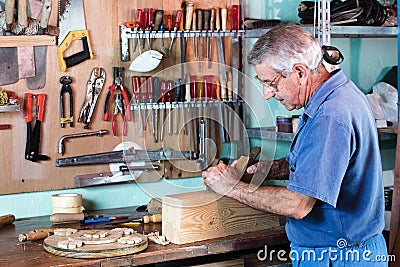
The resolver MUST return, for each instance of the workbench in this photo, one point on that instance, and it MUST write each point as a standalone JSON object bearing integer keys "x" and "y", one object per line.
{"x": 31, "y": 253}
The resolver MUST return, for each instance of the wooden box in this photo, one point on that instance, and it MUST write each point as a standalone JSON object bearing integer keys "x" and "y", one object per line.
{"x": 202, "y": 215}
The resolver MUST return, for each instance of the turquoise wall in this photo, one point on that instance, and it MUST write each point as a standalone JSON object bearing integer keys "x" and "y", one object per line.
{"x": 364, "y": 61}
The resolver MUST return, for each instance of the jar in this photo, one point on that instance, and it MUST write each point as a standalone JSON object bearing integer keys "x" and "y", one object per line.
{"x": 284, "y": 124}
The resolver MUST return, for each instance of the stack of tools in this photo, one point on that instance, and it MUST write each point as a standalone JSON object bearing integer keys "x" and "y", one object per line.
{"x": 33, "y": 136}
{"x": 66, "y": 208}
{"x": 200, "y": 24}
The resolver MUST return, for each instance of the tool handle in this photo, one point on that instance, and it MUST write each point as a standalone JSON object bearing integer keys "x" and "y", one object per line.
{"x": 193, "y": 80}
{"x": 212, "y": 19}
{"x": 222, "y": 88}
{"x": 217, "y": 90}
{"x": 155, "y": 218}
{"x": 188, "y": 96}
{"x": 178, "y": 19}
{"x": 28, "y": 107}
{"x": 7, "y": 219}
{"x": 229, "y": 85}
{"x": 22, "y": 13}
{"x": 235, "y": 17}
{"x": 169, "y": 94}
{"x": 5, "y": 126}
{"x": 66, "y": 217}
{"x": 79, "y": 57}
{"x": 149, "y": 88}
{"x": 40, "y": 103}
{"x": 150, "y": 16}
{"x": 44, "y": 19}
{"x": 199, "y": 15}
{"x": 224, "y": 14}
{"x": 139, "y": 17}
{"x": 158, "y": 19}
{"x": 107, "y": 106}
{"x": 177, "y": 91}
{"x": 10, "y": 6}
{"x": 135, "y": 87}
{"x": 169, "y": 23}
{"x": 156, "y": 88}
{"x": 35, "y": 235}
{"x": 189, "y": 15}
{"x": 127, "y": 101}
{"x": 194, "y": 21}
{"x": 217, "y": 18}
{"x": 144, "y": 20}
{"x": 163, "y": 90}
{"x": 199, "y": 89}
{"x": 206, "y": 16}
{"x": 143, "y": 88}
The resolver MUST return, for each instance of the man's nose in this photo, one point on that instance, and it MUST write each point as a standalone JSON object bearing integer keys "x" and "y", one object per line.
{"x": 268, "y": 94}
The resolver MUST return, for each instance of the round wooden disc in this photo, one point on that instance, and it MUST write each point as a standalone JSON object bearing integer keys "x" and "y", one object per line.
{"x": 91, "y": 251}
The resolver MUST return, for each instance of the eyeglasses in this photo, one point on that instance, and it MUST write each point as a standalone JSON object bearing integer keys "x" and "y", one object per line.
{"x": 272, "y": 85}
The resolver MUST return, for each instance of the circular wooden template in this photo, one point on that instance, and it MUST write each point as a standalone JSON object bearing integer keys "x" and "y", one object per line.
{"x": 89, "y": 251}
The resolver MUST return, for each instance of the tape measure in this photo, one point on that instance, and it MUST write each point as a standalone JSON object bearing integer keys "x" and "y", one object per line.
{"x": 67, "y": 203}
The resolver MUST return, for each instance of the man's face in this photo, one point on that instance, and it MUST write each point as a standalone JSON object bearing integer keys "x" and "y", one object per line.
{"x": 284, "y": 89}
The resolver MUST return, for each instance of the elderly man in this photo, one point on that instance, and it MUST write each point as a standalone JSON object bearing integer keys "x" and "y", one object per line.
{"x": 334, "y": 202}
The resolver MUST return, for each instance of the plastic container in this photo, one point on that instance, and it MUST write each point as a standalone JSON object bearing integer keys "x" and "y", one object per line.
{"x": 284, "y": 124}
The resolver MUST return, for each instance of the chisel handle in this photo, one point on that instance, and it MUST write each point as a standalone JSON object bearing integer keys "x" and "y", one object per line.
{"x": 224, "y": 14}
{"x": 66, "y": 217}
{"x": 44, "y": 20}
{"x": 158, "y": 21}
{"x": 10, "y": 6}
{"x": 206, "y": 21}
{"x": 22, "y": 13}
{"x": 217, "y": 18}
{"x": 155, "y": 218}
{"x": 189, "y": 15}
{"x": 235, "y": 17}
{"x": 7, "y": 219}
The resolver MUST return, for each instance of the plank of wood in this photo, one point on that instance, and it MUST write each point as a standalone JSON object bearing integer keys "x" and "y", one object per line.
{"x": 202, "y": 215}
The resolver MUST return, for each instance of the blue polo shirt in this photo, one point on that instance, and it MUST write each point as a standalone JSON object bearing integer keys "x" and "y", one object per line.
{"x": 335, "y": 158}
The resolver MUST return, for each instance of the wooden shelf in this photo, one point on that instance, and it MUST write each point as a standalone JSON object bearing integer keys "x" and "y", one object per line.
{"x": 27, "y": 40}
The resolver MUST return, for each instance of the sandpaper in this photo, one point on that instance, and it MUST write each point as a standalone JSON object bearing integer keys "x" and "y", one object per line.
{"x": 8, "y": 65}
{"x": 39, "y": 80}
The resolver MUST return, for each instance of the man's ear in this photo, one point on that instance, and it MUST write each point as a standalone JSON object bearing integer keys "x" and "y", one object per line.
{"x": 301, "y": 70}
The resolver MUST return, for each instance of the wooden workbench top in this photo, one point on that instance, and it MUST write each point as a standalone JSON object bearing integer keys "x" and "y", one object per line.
{"x": 31, "y": 253}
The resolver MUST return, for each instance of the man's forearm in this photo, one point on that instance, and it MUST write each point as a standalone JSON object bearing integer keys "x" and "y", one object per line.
{"x": 279, "y": 200}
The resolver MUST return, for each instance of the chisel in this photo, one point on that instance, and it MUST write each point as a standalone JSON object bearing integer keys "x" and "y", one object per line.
{"x": 212, "y": 27}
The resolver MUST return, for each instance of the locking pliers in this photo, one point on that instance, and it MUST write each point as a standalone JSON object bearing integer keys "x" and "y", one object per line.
{"x": 93, "y": 89}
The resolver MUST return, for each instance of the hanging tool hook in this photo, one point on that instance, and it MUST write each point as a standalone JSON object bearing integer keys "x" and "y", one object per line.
{"x": 66, "y": 88}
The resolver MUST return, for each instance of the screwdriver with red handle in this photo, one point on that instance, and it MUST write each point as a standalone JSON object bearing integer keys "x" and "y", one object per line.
{"x": 178, "y": 18}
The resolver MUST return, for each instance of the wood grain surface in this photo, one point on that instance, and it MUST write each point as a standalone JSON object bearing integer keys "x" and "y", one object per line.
{"x": 93, "y": 251}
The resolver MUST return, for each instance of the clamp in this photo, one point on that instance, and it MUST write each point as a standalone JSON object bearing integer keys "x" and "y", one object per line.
{"x": 117, "y": 85}
{"x": 66, "y": 88}
{"x": 33, "y": 136}
{"x": 119, "y": 108}
{"x": 93, "y": 89}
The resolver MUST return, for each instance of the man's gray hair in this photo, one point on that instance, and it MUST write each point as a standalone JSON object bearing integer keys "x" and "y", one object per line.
{"x": 284, "y": 46}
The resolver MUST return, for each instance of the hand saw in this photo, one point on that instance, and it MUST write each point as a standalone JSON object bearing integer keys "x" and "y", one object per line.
{"x": 71, "y": 20}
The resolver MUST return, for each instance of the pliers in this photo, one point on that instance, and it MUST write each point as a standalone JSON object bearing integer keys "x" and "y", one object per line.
{"x": 93, "y": 89}
{"x": 119, "y": 108}
{"x": 117, "y": 85}
{"x": 33, "y": 137}
{"x": 66, "y": 88}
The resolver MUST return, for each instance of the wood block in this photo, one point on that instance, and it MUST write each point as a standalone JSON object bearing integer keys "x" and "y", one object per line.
{"x": 202, "y": 215}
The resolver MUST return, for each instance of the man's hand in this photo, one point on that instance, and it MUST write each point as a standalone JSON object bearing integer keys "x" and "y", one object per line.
{"x": 221, "y": 178}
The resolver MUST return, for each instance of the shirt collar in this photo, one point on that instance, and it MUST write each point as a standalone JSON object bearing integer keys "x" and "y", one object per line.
{"x": 337, "y": 79}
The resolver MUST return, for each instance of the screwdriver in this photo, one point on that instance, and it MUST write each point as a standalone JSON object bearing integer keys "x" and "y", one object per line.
{"x": 168, "y": 98}
{"x": 176, "y": 26}
{"x": 163, "y": 90}
{"x": 143, "y": 93}
{"x": 136, "y": 92}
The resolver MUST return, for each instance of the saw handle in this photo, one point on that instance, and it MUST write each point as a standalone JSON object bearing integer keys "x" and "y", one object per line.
{"x": 78, "y": 57}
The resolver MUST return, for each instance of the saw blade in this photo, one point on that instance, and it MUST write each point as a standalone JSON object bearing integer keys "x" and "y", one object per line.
{"x": 71, "y": 17}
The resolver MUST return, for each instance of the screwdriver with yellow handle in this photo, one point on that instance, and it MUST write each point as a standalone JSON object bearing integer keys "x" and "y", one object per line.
{"x": 154, "y": 218}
